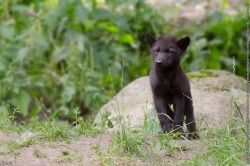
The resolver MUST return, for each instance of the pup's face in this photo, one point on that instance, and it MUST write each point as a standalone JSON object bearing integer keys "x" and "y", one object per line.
{"x": 167, "y": 50}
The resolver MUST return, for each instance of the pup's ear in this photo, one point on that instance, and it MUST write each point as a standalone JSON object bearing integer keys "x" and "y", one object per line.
{"x": 183, "y": 43}
{"x": 150, "y": 39}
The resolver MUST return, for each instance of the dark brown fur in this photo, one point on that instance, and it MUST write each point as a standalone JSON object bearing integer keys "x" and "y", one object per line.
{"x": 170, "y": 85}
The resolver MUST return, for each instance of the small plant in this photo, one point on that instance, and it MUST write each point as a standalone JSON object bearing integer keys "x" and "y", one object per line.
{"x": 67, "y": 156}
{"x": 103, "y": 156}
{"x": 65, "y": 152}
{"x": 64, "y": 157}
{"x": 39, "y": 154}
{"x": 53, "y": 130}
{"x": 129, "y": 144}
{"x": 85, "y": 127}
{"x": 151, "y": 123}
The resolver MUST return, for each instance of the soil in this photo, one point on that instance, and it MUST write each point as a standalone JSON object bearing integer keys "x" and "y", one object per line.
{"x": 82, "y": 152}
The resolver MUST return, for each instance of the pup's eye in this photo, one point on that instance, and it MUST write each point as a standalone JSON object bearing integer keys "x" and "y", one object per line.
{"x": 170, "y": 51}
{"x": 158, "y": 50}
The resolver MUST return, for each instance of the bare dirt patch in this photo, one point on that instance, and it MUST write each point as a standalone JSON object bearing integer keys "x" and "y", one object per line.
{"x": 78, "y": 152}
{"x": 82, "y": 152}
{"x": 7, "y": 137}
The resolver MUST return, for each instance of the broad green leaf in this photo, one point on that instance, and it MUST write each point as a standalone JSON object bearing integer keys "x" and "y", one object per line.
{"x": 4, "y": 114}
{"x": 2, "y": 74}
{"x": 35, "y": 111}
{"x": 227, "y": 61}
{"x": 68, "y": 93}
{"x": 91, "y": 88}
{"x": 3, "y": 63}
{"x": 80, "y": 43}
{"x": 40, "y": 42}
{"x": 81, "y": 14}
{"x": 221, "y": 28}
{"x": 214, "y": 59}
{"x": 94, "y": 74}
{"x": 62, "y": 25}
{"x": 202, "y": 43}
{"x": 215, "y": 42}
{"x": 238, "y": 25}
{"x": 109, "y": 27}
{"x": 51, "y": 4}
{"x": 21, "y": 101}
{"x": 56, "y": 114}
{"x": 19, "y": 8}
{"x": 100, "y": 14}
{"x": 22, "y": 53}
{"x": 123, "y": 24}
{"x": 8, "y": 32}
{"x": 126, "y": 38}
{"x": 59, "y": 54}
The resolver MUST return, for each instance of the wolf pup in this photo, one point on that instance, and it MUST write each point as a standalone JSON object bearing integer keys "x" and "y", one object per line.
{"x": 170, "y": 85}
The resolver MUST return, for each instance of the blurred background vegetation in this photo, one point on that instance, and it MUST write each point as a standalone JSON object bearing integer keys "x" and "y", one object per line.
{"x": 67, "y": 56}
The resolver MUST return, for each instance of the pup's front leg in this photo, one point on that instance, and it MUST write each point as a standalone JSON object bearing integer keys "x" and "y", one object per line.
{"x": 179, "y": 105}
{"x": 190, "y": 121}
{"x": 162, "y": 108}
{"x": 189, "y": 112}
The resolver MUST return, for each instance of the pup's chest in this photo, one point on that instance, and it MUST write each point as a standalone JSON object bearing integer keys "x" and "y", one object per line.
{"x": 166, "y": 87}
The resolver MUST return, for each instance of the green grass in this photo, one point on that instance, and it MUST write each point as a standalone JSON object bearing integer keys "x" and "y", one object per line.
{"x": 223, "y": 145}
{"x": 50, "y": 130}
{"x": 38, "y": 153}
{"x": 67, "y": 156}
{"x": 143, "y": 144}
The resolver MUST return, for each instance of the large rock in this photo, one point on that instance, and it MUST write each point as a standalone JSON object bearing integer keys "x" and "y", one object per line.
{"x": 214, "y": 93}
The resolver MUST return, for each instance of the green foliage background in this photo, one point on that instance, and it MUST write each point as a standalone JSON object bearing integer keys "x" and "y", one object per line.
{"x": 63, "y": 54}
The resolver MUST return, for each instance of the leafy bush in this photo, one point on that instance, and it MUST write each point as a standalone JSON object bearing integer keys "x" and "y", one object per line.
{"x": 60, "y": 54}
{"x": 214, "y": 44}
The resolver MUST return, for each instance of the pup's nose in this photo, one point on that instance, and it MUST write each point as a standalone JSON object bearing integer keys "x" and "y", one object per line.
{"x": 158, "y": 62}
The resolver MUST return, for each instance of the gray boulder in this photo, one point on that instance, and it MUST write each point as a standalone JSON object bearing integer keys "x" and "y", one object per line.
{"x": 214, "y": 94}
